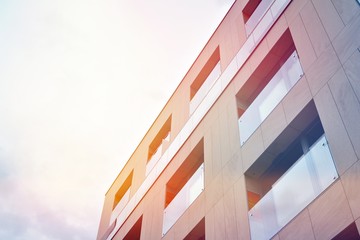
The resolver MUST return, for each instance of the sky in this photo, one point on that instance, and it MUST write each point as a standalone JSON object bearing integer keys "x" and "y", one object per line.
{"x": 81, "y": 81}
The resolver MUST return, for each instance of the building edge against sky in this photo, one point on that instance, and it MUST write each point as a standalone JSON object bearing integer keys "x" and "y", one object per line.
{"x": 261, "y": 139}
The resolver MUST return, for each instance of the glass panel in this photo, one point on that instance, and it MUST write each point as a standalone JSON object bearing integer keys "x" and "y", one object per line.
{"x": 300, "y": 185}
{"x": 257, "y": 15}
{"x": 205, "y": 87}
{"x": 281, "y": 83}
{"x": 120, "y": 206}
{"x": 183, "y": 199}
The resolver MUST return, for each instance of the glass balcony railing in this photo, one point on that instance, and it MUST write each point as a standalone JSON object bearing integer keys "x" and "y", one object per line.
{"x": 157, "y": 155}
{"x": 257, "y": 15}
{"x": 205, "y": 87}
{"x": 184, "y": 199}
{"x": 120, "y": 206}
{"x": 153, "y": 160}
{"x": 280, "y": 84}
{"x": 302, "y": 183}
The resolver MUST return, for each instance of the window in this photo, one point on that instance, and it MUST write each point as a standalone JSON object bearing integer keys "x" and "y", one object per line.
{"x": 205, "y": 79}
{"x": 122, "y": 197}
{"x": 350, "y": 232}
{"x": 158, "y": 145}
{"x": 266, "y": 87}
{"x": 253, "y": 12}
{"x": 135, "y": 231}
{"x": 291, "y": 173}
{"x": 198, "y": 232}
{"x": 184, "y": 186}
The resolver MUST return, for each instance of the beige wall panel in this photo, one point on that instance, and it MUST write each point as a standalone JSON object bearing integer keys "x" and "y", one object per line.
{"x": 276, "y": 237}
{"x": 213, "y": 192}
{"x": 322, "y": 70}
{"x": 252, "y": 149}
{"x": 233, "y": 126}
{"x": 330, "y": 212}
{"x": 329, "y": 17}
{"x": 242, "y": 76}
{"x": 237, "y": 27}
{"x": 293, "y": 10}
{"x": 180, "y": 112}
{"x": 296, "y": 99}
{"x": 232, "y": 171}
{"x": 220, "y": 230}
{"x": 302, "y": 43}
{"x": 216, "y": 148}
{"x": 351, "y": 181}
{"x": 276, "y": 31}
{"x": 226, "y": 46}
{"x": 241, "y": 209}
{"x": 196, "y": 135}
{"x": 157, "y": 204}
{"x": 352, "y": 70}
{"x": 146, "y": 224}
{"x": 196, "y": 211}
{"x": 348, "y": 40}
{"x": 346, "y": 9}
{"x": 181, "y": 226}
{"x": 208, "y": 158}
{"x": 273, "y": 125}
{"x": 226, "y": 152}
{"x": 210, "y": 225}
{"x": 343, "y": 154}
{"x": 348, "y": 106}
{"x": 230, "y": 215}
{"x": 258, "y": 55}
{"x": 299, "y": 228}
{"x": 314, "y": 28}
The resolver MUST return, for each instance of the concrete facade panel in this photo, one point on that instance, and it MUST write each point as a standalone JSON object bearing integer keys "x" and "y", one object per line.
{"x": 322, "y": 70}
{"x": 348, "y": 106}
{"x": 327, "y": 224}
{"x": 241, "y": 209}
{"x": 296, "y": 99}
{"x": 343, "y": 154}
{"x": 329, "y": 17}
{"x": 347, "y": 10}
{"x": 273, "y": 125}
{"x": 299, "y": 228}
{"x": 302, "y": 43}
{"x": 230, "y": 215}
{"x": 352, "y": 70}
{"x": 350, "y": 181}
{"x": 314, "y": 28}
{"x": 293, "y": 10}
{"x": 348, "y": 40}
{"x": 252, "y": 149}
{"x": 220, "y": 230}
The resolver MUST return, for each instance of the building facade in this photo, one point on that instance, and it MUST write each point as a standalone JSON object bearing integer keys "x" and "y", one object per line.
{"x": 261, "y": 139}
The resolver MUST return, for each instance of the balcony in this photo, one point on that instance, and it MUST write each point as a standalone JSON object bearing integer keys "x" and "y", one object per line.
{"x": 157, "y": 155}
{"x": 183, "y": 199}
{"x": 257, "y": 15}
{"x": 279, "y": 85}
{"x": 205, "y": 87}
{"x": 310, "y": 175}
{"x": 120, "y": 205}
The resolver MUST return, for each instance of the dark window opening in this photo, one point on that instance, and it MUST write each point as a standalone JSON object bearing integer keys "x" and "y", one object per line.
{"x": 198, "y": 232}
{"x": 135, "y": 231}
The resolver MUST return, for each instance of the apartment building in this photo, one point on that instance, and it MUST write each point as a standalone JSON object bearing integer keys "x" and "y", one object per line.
{"x": 260, "y": 140}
